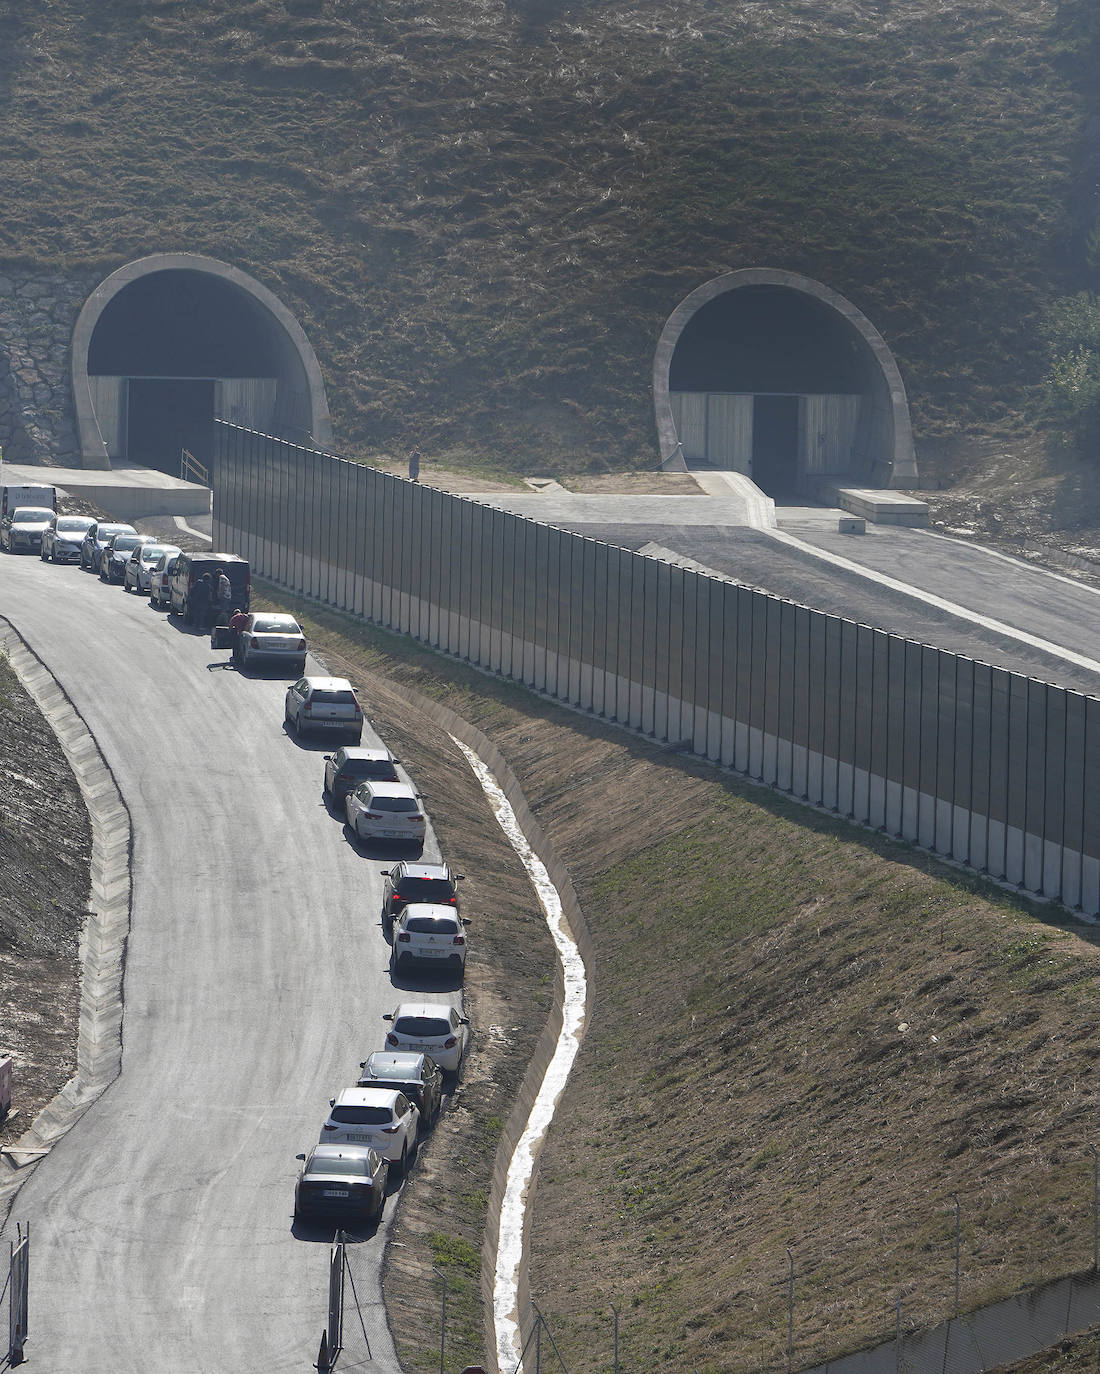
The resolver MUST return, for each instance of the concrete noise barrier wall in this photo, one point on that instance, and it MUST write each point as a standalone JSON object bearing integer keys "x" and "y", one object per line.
{"x": 984, "y": 766}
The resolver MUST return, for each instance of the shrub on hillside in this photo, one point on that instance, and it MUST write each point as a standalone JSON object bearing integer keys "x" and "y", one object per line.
{"x": 1072, "y": 330}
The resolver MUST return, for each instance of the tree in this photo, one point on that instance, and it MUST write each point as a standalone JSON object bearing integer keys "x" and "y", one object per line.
{"x": 1071, "y": 328}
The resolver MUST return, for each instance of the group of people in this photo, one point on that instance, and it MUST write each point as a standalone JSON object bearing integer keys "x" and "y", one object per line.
{"x": 211, "y": 601}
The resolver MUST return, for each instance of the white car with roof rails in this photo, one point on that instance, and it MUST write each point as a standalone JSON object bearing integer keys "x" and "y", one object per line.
{"x": 383, "y": 1118}
{"x": 386, "y": 811}
{"x": 429, "y": 934}
{"x": 324, "y": 704}
{"x": 138, "y": 573}
{"x": 434, "y": 1028}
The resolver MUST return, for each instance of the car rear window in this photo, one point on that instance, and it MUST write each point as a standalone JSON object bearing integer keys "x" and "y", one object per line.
{"x": 264, "y": 625}
{"x": 380, "y": 770}
{"x": 362, "y": 1116}
{"x": 402, "y": 804}
{"x": 430, "y": 925}
{"x": 426, "y": 889}
{"x": 422, "y": 1027}
{"x": 353, "y": 1168}
{"x": 324, "y": 698}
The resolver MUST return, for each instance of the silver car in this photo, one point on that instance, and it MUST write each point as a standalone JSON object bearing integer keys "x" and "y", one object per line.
{"x": 272, "y": 636}
{"x": 63, "y": 537}
{"x": 22, "y": 530}
{"x": 385, "y": 811}
{"x": 138, "y": 574}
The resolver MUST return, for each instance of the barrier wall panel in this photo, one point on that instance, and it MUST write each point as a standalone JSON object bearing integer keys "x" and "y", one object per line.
{"x": 815, "y": 715}
{"x": 650, "y": 576}
{"x": 830, "y": 714}
{"x": 773, "y": 672}
{"x": 695, "y": 666}
{"x": 1090, "y": 828}
{"x": 849, "y": 685}
{"x": 630, "y": 581}
{"x": 553, "y": 611}
{"x": 715, "y": 686}
{"x": 743, "y": 669}
{"x": 599, "y": 649}
{"x": 928, "y": 758}
{"x": 680, "y": 636}
{"x": 784, "y": 696}
{"x": 800, "y": 701}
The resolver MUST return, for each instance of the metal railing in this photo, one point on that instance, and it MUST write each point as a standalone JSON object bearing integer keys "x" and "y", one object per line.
{"x": 191, "y": 470}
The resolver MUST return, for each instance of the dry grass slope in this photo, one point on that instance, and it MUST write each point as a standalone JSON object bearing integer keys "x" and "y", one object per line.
{"x": 483, "y": 213}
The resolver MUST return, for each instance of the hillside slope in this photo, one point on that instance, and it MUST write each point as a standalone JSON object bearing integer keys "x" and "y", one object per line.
{"x": 482, "y": 214}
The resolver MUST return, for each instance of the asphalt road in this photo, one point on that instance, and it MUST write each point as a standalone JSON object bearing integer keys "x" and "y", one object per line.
{"x": 1038, "y": 603}
{"x": 255, "y": 982}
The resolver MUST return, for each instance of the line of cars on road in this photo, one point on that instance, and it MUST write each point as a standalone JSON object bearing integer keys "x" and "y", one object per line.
{"x": 373, "y": 1130}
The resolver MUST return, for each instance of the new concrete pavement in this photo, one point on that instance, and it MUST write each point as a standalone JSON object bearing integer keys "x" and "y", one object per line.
{"x": 255, "y": 981}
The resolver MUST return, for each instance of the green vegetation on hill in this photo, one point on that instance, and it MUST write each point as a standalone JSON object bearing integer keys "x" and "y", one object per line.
{"x": 483, "y": 214}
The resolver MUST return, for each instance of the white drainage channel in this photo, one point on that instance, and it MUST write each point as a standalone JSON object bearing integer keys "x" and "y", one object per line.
{"x": 521, "y": 1166}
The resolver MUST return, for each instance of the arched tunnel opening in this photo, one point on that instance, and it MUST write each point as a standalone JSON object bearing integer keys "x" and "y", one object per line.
{"x": 779, "y": 383}
{"x": 168, "y": 347}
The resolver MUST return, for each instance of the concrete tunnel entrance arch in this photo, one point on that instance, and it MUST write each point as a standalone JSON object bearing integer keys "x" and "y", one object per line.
{"x": 769, "y": 373}
{"x": 170, "y": 342}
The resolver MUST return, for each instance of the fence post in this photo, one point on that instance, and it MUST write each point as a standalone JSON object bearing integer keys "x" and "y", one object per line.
{"x": 790, "y": 1311}
{"x": 443, "y": 1317}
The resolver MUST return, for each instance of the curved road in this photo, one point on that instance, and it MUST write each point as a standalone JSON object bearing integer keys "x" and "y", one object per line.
{"x": 255, "y": 982}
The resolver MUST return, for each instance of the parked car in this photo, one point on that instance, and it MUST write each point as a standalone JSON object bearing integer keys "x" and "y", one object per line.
{"x": 189, "y": 567}
{"x": 160, "y": 578}
{"x": 429, "y": 934}
{"x": 116, "y": 554}
{"x": 138, "y": 572}
{"x": 429, "y": 1028}
{"x": 21, "y": 531}
{"x": 385, "y": 811}
{"x": 95, "y": 541}
{"x": 341, "y": 1181}
{"x": 382, "y": 1118}
{"x": 415, "y": 882}
{"x": 62, "y": 538}
{"x": 273, "y": 636}
{"x": 350, "y": 766}
{"x": 418, "y": 1076}
{"x": 323, "y": 703}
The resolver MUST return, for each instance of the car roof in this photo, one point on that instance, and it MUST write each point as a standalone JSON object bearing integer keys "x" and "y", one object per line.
{"x": 388, "y": 789}
{"x": 401, "y": 1064}
{"x": 357, "y": 751}
{"x": 428, "y": 909}
{"x": 422, "y": 1009}
{"x": 322, "y": 1152}
{"x": 366, "y": 1097}
{"x": 411, "y": 870}
{"x": 328, "y": 684}
{"x": 275, "y": 615}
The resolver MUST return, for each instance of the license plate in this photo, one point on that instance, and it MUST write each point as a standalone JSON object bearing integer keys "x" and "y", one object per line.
{"x": 433, "y": 953}
{"x": 335, "y": 1192}
{"x": 362, "y": 1138}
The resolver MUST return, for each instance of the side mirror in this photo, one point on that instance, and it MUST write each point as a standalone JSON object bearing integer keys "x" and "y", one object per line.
{"x": 327, "y": 758}
{"x": 466, "y": 921}
{"x": 395, "y": 760}
{"x": 362, "y": 1063}
{"x": 388, "y": 1016}
{"x": 301, "y": 1157}
{"x": 460, "y": 877}
{"x": 464, "y": 1020}
{"x": 332, "y": 1102}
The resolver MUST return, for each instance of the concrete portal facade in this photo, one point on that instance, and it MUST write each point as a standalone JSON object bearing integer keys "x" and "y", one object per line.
{"x": 768, "y": 373}
{"x": 170, "y": 342}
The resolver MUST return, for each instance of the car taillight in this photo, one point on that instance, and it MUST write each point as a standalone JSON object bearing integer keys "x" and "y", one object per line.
{"x": 450, "y": 1042}
{"x": 328, "y": 1127}
{"x": 392, "y": 1039}
{"x": 302, "y": 646}
{"x": 416, "y": 817}
{"x": 459, "y": 940}
{"x": 404, "y": 938}
{"x": 373, "y": 815}
{"x": 398, "y": 901}
{"x": 390, "y": 1130}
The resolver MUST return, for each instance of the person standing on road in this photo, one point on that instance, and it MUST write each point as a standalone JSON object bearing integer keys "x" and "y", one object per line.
{"x": 238, "y": 622}
{"x": 414, "y": 465}
{"x": 224, "y": 598}
{"x": 198, "y": 603}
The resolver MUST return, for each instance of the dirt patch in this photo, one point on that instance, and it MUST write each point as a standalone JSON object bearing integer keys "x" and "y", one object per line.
{"x": 45, "y": 853}
{"x": 636, "y": 484}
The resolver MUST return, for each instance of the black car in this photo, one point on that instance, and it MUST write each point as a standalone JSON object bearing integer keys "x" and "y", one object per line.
{"x": 412, "y": 882}
{"x": 341, "y": 1182}
{"x": 348, "y": 767}
{"x": 418, "y": 1076}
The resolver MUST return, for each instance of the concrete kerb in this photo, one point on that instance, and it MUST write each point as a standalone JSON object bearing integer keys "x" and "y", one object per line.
{"x": 494, "y": 760}
{"x": 106, "y": 929}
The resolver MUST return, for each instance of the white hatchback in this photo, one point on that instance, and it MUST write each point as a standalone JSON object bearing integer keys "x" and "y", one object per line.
{"x": 430, "y": 933}
{"x": 429, "y": 1028}
{"x": 385, "y": 811}
{"x": 383, "y": 1118}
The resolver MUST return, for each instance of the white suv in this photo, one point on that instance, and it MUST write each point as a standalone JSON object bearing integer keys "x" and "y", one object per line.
{"x": 430, "y": 933}
{"x": 383, "y": 1118}
{"x": 429, "y": 1028}
{"x": 385, "y": 811}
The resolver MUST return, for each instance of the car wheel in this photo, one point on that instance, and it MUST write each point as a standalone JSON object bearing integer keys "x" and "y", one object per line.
{"x": 403, "y": 1167}
{"x": 300, "y": 668}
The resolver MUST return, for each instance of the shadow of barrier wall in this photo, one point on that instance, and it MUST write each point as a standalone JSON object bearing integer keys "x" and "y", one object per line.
{"x": 983, "y": 766}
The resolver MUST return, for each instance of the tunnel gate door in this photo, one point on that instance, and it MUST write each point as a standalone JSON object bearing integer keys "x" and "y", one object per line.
{"x": 165, "y": 415}
{"x": 775, "y": 446}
